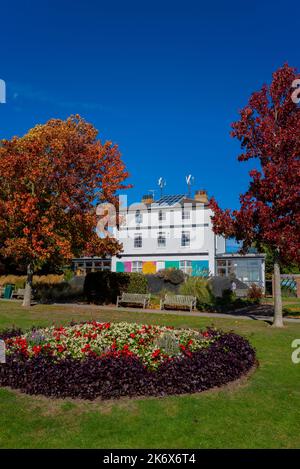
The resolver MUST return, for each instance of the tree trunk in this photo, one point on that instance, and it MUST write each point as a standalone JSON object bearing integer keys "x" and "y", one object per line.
{"x": 28, "y": 287}
{"x": 278, "y": 321}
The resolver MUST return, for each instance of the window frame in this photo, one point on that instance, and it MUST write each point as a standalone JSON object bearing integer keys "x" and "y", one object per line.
{"x": 137, "y": 266}
{"x": 138, "y": 236}
{"x": 161, "y": 236}
{"x": 162, "y": 216}
{"x": 138, "y": 217}
{"x": 187, "y": 266}
{"x": 185, "y": 235}
{"x": 184, "y": 213}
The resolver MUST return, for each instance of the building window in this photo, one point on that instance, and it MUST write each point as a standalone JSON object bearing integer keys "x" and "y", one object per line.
{"x": 138, "y": 217}
{"x": 186, "y": 214}
{"x": 185, "y": 239}
{"x": 186, "y": 267}
{"x": 138, "y": 240}
{"x": 161, "y": 240}
{"x": 137, "y": 266}
{"x": 246, "y": 270}
{"x": 161, "y": 215}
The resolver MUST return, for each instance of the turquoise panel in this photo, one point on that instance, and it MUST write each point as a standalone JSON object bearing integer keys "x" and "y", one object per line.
{"x": 172, "y": 264}
{"x": 120, "y": 267}
{"x": 200, "y": 268}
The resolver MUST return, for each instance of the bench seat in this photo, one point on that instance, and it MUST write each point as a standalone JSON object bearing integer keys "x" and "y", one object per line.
{"x": 180, "y": 301}
{"x": 134, "y": 298}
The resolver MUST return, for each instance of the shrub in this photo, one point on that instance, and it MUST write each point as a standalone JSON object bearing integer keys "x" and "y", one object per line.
{"x": 20, "y": 280}
{"x": 137, "y": 283}
{"x": 9, "y": 333}
{"x": 255, "y": 293}
{"x": 17, "y": 280}
{"x": 227, "y": 357}
{"x": 58, "y": 292}
{"x": 104, "y": 287}
{"x": 174, "y": 276}
{"x": 198, "y": 287}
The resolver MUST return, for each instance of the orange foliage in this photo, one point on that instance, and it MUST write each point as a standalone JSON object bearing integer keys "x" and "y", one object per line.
{"x": 50, "y": 182}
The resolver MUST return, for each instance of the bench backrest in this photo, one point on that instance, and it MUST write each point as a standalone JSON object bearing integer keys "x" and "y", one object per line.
{"x": 180, "y": 299}
{"x": 135, "y": 296}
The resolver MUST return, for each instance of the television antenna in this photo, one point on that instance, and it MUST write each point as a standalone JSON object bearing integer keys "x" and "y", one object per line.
{"x": 161, "y": 183}
{"x": 190, "y": 181}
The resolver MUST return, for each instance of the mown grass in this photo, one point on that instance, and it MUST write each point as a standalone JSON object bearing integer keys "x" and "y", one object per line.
{"x": 263, "y": 412}
{"x": 291, "y": 306}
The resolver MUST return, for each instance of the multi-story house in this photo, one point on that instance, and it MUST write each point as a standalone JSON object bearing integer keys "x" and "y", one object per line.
{"x": 176, "y": 231}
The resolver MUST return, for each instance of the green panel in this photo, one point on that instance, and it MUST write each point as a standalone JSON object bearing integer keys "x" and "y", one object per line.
{"x": 172, "y": 265}
{"x": 200, "y": 268}
{"x": 120, "y": 267}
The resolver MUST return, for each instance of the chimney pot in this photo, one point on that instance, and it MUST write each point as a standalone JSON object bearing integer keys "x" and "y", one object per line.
{"x": 147, "y": 199}
{"x": 201, "y": 196}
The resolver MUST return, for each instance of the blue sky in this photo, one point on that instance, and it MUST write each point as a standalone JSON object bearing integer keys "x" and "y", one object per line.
{"x": 163, "y": 79}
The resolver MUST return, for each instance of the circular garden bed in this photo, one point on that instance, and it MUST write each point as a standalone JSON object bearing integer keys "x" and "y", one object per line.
{"x": 110, "y": 360}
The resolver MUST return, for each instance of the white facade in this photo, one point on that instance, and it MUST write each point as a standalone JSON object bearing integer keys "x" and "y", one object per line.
{"x": 175, "y": 231}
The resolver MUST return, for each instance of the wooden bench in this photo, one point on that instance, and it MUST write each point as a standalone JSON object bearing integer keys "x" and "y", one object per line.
{"x": 134, "y": 298}
{"x": 19, "y": 293}
{"x": 181, "y": 301}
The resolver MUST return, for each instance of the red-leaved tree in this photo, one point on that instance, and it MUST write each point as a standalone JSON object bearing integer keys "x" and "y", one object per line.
{"x": 269, "y": 130}
{"x": 51, "y": 180}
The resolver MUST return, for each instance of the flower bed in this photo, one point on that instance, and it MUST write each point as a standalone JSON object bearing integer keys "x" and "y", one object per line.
{"x": 110, "y": 360}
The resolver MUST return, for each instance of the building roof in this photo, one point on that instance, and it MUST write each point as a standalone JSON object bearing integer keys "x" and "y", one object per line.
{"x": 168, "y": 200}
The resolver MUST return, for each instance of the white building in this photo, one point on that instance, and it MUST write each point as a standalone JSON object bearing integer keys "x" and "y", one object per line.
{"x": 176, "y": 231}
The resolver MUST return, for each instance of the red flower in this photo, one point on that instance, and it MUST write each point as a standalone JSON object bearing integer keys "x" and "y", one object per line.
{"x": 36, "y": 349}
{"x": 86, "y": 348}
{"x": 156, "y": 353}
{"x": 132, "y": 335}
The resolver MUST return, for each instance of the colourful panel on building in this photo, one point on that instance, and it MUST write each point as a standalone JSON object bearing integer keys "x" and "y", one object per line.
{"x": 120, "y": 266}
{"x": 149, "y": 267}
{"x": 172, "y": 265}
{"x": 127, "y": 266}
{"x": 200, "y": 268}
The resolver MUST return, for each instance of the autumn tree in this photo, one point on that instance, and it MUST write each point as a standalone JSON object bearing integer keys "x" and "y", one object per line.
{"x": 51, "y": 180}
{"x": 269, "y": 214}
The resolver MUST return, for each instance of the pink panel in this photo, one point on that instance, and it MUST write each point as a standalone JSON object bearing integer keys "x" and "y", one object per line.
{"x": 127, "y": 266}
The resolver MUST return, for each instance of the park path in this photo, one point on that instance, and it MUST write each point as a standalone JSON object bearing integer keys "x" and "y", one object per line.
{"x": 259, "y": 313}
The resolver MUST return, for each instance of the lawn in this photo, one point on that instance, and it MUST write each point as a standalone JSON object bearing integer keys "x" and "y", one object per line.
{"x": 291, "y": 305}
{"x": 263, "y": 412}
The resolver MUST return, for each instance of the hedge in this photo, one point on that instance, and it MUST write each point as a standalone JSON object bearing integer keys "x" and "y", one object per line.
{"x": 103, "y": 287}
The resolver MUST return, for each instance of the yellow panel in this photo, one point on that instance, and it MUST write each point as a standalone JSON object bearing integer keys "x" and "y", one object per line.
{"x": 149, "y": 267}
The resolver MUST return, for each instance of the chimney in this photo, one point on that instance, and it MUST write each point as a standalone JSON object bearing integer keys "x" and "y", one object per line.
{"x": 147, "y": 199}
{"x": 201, "y": 196}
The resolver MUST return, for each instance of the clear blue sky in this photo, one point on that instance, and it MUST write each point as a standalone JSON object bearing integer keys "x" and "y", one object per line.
{"x": 163, "y": 79}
